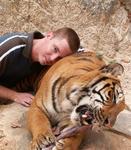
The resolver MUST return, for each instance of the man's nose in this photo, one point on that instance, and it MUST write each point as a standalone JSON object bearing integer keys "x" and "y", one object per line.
{"x": 54, "y": 58}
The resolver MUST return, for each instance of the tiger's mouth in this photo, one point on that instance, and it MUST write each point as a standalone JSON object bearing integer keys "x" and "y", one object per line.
{"x": 87, "y": 117}
{"x": 85, "y": 114}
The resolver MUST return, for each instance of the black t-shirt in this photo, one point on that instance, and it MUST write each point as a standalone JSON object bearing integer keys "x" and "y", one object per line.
{"x": 15, "y": 57}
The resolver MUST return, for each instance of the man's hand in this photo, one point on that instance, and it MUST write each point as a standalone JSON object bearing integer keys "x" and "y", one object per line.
{"x": 21, "y": 98}
{"x": 24, "y": 98}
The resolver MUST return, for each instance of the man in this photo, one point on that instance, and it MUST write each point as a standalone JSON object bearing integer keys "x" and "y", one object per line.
{"x": 22, "y": 55}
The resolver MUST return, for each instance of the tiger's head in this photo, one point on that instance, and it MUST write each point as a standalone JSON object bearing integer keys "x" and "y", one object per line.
{"x": 99, "y": 100}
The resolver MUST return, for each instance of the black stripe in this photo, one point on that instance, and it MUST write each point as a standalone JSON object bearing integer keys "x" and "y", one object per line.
{"x": 101, "y": 117}
{"x": 106, "y": 85}
{"x": 114, "y": 94}
{"x": 94, "y": 91}
{"x": 81, "y": 97}
{"x": 99, "y": 80}
{"x": 72, "y": 102}
{"x": 87, "y": 90}
{"x": 85, "y": 59}
{"x": 64, "y": 82}
{"x": 95, "y": 113}
{"x": 45, "y": 111}
{"x": 99, "y": 93}
{"x": 114, "y": 97}
{"x": 68, "y": 98}
{"x": 72, "y": 91}
{"x": 98, "y": 116}
{"x": 86, "y": 69}
{"x": 54, "y": 92}
{"x": 99, "y": 101}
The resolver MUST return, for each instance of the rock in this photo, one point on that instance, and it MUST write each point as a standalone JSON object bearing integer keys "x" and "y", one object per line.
{"x": 126, "y": 60}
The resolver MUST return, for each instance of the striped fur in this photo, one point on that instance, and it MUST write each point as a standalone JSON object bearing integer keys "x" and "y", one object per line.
{"x": 74, "y": 84}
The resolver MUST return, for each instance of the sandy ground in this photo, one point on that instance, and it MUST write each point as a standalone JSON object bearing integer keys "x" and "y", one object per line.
{"x": 103, "y": 26}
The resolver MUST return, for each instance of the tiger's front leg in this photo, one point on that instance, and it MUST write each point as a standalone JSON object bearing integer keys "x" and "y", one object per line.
{"x": 40, "y": 127}
{"x": 71, "y": 143}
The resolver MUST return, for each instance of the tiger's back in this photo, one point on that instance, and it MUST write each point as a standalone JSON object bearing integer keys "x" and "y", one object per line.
{"x": 76, "y": 64}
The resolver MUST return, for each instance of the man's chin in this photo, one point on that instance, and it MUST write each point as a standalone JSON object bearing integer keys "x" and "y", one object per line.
{"x": 47, "y": 64}
{"x": 42, "y": 63}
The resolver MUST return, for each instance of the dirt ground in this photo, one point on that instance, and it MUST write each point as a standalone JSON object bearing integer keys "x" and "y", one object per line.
{"x": 103, "y": 26}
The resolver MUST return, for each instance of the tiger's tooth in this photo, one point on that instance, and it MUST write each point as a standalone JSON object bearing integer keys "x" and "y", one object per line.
{"x": 84, "y": 116}
{"x": 85, "y": 123}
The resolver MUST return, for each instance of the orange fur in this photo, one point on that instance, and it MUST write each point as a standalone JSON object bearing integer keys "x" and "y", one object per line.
{"x": 51, "y": 104}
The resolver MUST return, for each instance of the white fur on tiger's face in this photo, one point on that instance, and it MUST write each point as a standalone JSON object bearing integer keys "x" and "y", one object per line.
{"x": 82, "y": 85}
{"x": 104, "y": 99}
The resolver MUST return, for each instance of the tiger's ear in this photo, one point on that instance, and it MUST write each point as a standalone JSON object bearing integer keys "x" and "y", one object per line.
{"x": 115, "y": 69}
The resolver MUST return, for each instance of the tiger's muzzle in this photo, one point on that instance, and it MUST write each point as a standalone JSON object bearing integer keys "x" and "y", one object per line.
{"x": 85, "y": 114}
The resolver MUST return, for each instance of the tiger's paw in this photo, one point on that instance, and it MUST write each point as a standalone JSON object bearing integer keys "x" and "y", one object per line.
{"x": 59, "y": 145}
{"x": 42, "y": 141}
{"x": 62, "y": 145}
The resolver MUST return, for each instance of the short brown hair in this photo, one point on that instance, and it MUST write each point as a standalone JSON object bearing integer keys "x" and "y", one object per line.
{"x": 70, "y": 35}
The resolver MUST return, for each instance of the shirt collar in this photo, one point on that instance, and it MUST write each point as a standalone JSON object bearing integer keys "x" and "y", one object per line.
{"x": 29, "y": 43}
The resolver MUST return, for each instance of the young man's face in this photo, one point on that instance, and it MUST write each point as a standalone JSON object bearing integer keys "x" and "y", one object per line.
{"x": 53, "y": 49}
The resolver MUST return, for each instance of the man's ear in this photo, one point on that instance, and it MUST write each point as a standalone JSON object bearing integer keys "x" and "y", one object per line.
{"x": 50, "y": 35}
{"x": 115, "y": 69}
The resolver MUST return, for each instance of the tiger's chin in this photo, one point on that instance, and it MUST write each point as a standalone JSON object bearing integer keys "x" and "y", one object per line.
{"x": 77, "y": 121}
{"x": 85, "y": 121}
{"x": 87, "y": 118}
{"x": 75, "y": 118}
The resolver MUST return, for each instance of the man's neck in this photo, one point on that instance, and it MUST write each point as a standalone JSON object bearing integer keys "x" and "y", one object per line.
{"x": 35, "y": 48}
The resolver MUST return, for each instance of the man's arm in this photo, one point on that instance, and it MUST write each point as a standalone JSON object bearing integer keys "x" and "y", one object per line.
{"x": 22, "y": 98}
{"x": 7, "y": 43}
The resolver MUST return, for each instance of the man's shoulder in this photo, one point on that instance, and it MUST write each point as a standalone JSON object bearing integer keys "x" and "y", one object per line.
{"x": 12, "y": 34}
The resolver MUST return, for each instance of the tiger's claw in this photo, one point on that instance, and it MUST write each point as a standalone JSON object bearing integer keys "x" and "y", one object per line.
{"x": 59, "y": 145}
{"x": 42, "y": 141}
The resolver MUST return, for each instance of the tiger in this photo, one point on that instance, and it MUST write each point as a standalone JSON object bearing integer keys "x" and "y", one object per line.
{"x": 79, "y": 82}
